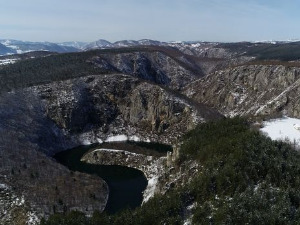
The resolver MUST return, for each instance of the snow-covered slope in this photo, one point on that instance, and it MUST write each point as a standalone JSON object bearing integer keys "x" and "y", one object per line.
{"x": 7, "y": 61}
{"x": 285, "y": 129}
{"x": 74, "y": 44}
{"x": 101, "y": 43}
{"x": 125, "y": 43}
{"x": 4, "y": 50}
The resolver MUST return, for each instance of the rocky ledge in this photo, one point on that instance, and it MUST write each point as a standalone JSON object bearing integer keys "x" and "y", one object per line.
{"x": 91, "y": 109}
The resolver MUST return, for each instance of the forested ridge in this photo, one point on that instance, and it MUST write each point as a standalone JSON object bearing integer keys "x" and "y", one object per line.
{"x": 48, "y": 66}
{"x": 54, "y": 67}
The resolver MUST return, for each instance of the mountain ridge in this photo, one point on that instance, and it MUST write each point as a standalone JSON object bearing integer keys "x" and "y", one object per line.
{"x": 262, "y": 50}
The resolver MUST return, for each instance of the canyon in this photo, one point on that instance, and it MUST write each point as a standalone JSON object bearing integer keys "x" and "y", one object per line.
{"x": 52, "y": 102}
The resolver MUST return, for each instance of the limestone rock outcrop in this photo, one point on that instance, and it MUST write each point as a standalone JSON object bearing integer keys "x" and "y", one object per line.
{"x": 92, "y": 108}
{"x": 250, "y": 90}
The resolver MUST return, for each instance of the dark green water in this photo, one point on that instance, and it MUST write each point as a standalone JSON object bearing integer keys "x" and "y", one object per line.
{"x": 125, "y": 184}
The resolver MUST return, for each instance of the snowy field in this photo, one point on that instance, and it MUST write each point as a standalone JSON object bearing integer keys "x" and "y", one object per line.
{"x": 285, "y": 128}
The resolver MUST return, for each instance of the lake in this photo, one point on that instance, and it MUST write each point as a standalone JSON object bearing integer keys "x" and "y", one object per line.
{"x": 126, "y": 185}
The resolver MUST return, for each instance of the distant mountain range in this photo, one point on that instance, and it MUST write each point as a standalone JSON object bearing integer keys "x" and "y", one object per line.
{"x": 101, "y": 43}
{"x": 8, "y": 46}
{"x": 19, "y": 47}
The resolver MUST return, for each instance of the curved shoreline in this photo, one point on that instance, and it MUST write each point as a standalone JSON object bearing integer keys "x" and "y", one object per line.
{"x": 125, "y": 184}
{"x": 151, "y": 166}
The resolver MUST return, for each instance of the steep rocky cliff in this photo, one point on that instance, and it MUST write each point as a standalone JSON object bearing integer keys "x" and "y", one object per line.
{"x": 161, "y": 172}
{"x": 259, "y": 89}
{"x": 44, "y": 119}
{"x": 174, "y": 67}
{"x": 152, "y": 66}
{"x": 90, "y": 109}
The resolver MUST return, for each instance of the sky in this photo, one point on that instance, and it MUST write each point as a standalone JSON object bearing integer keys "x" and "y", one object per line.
{"x": 163, "y": 20}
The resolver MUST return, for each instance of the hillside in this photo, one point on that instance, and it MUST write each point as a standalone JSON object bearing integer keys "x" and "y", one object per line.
{"x": 160, "y": 65}
{"x": 243, "y": 174}
{"x": 258, "y": 89}
{"x": 284, "y": 51}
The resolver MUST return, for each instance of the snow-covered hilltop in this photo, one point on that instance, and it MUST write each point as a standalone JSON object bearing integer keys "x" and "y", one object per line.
{"x": 8, "y": 47}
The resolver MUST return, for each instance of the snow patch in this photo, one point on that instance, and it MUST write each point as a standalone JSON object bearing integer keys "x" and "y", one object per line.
{"x": 283, "y": 129}
{"x": 187, "y": 222}
{"x": 32, "y": 219}
{"x": 88, "y": 138}
{"x": 7, "y": 61}
{"x": 86, "y": 142}
{"x": 134, "y": 138}
{"x": 4, "y": 186}
{"x": 197, "y": 45}
{"x": 150, "y": 190}
{"x": 99, "y": 140}
{"x": 117, "y": 138}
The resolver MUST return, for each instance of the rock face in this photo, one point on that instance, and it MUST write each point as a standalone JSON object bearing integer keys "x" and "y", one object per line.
{"x": 153, "y": 66}
{"x": 92, "y": 108}
{"x": 174, "y": 67}
{"x": 161, "y": 173}
{"x": 250, "y": 90}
